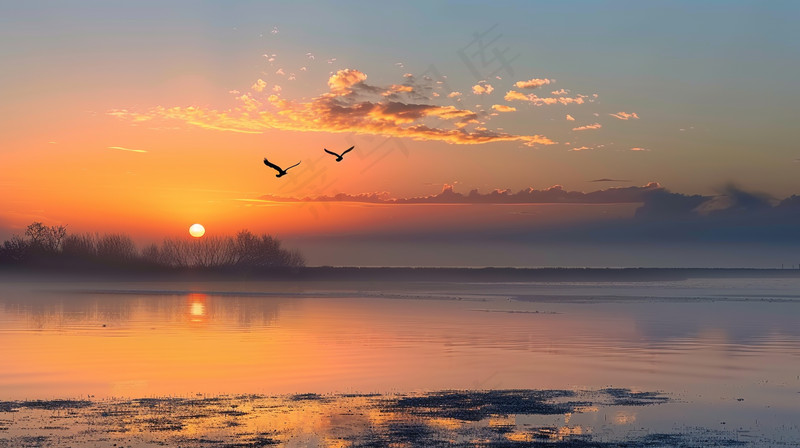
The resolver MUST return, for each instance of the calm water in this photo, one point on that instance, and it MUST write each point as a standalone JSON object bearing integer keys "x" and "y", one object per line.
{"x": 722, "y": 350}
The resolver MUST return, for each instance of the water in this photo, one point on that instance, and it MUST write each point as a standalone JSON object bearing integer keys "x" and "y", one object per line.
{"x": 725, "y": 352}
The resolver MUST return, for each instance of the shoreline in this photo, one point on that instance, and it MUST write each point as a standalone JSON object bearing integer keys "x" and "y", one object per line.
{"x": 389, "y": 274}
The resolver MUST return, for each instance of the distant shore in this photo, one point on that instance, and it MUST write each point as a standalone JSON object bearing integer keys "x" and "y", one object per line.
{"x": 422, "y": 274}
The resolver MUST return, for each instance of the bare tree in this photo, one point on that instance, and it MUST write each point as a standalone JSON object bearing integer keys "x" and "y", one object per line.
{"x": 116, "y": 247}
{"x": 245, "y": 251}
{"x": 151, "y": 254}
{"x": 15, "y": 250}
{"x": 46, "y": 238}
{"x": 80, "y": 245}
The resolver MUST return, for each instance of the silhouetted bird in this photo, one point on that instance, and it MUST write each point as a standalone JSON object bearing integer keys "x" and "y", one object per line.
{"x": 281, "y": 171}
{"x": 339, "y": 156}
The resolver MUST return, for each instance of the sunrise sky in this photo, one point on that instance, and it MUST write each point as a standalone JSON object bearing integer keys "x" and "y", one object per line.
{"x": 144, "y": 118}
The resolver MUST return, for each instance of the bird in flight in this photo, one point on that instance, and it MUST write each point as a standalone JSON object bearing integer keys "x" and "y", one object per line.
{"x": 281, "y": 171}
{"x": 339, "y": 156}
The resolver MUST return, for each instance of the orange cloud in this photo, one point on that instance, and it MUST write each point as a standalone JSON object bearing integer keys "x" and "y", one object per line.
{"x": 513, "y": 95}
{"x": 639, "y": 149}
{"x": 560, "y": 92}
{"x": 625, "y": 115}
{"x": 453, "y": 94}
{"x": 343, "y": 80}
{"x": 259, "y": 85}
{"x": 582, "y": 148}
{"x": 480, "y": 88}
{"x": 396, "y": 88}
{"x": 342, "y": 110}
{"x": 126, "y": 149}
{"x": 569, "y": 118}
{"x": 588, "y": 126}
{"x": 503, "y": 108}
{"x": 532, "y": 83}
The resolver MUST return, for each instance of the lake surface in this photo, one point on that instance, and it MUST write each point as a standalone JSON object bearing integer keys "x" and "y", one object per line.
{"x": 724, "y": 354}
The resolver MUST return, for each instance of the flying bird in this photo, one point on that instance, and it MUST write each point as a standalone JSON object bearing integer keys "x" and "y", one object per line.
{"x": 281, "y": 171}
{"x": 339, "y": 156}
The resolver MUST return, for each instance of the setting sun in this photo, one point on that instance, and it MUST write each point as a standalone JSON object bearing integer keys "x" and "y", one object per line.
{"x": 197, "y": 230}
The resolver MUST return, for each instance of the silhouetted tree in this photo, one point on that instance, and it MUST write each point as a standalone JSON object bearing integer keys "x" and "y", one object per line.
{"x": 79, "y": 246}
{"x": 46, "y": 238}
{"x": 14, "y": 250}
{"x": 52, "y": 245}
{"x": 117, "y": 247}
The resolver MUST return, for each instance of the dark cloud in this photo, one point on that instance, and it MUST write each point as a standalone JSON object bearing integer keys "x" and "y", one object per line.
{"x": 553, "y": 195}
{"x": 792, "y": 201}
{"x": 735, "y": 201}
{"x": 609, "y": 180}
{"x": 666, "y": 205}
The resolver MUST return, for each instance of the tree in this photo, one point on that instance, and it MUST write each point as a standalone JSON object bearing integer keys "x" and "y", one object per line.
{"x": 53, "y": 245}
{"x": 46, "y": 238}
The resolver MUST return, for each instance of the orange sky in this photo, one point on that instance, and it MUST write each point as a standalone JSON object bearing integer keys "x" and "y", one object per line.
{"x": 202, "y": 97}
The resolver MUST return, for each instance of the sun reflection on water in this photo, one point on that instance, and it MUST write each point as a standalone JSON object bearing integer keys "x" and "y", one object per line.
{"x": 197, "y": 307}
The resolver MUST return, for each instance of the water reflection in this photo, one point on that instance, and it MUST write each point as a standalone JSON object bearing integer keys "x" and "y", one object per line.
{"x": 184, "y": 339}
{"x": 197, "y": 307}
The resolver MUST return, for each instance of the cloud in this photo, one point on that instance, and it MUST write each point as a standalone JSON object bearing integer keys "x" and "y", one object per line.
{"x": 394, "y": 89}
{"x": 503, "y": 108}
{"x": 664, "y": 204}
{"x": 625, "y": 115}
{"x": 609, "y": 180}
{"x": 513, "y": 95}
{"x": 482, "y": 88}
{"x": 347, "y": 108}
{"x": 735, "y": 201}
{"x": 639, "y": 149}
{"x": 259, "y": 85}
{"x": 731, "y": 203}
{"x": 588, "y": 127}
{"x": 280, "y": 72}
{"x": 453, "y": 94}
{"x": 126, "y": 149}
{"x": 560, "y": 92}
{"x": 276, "y": 88}
{"x": 341, "y": 82}
{"x": 532, "y": 83}
{"x": 582, "y": 148}
{"x": 569, "y": 118}
{"x": 235, "y": 92}
{"x": 553, "y": 195}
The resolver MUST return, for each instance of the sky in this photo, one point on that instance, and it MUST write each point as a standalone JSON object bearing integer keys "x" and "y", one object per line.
{"x": 144, "y": 118}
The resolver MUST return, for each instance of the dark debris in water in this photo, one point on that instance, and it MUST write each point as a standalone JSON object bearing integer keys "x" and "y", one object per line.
{"x": 626, "y": 397}
{"x": 450, "y": 418}
{"x": 477, "y": 405}
{"x": 50, "y": 405}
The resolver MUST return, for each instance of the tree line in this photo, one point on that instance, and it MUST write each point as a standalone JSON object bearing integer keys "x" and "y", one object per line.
{"x": 53, "y": 246}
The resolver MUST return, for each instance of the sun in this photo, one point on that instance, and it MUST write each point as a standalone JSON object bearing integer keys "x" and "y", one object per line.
{"x": 196, "y": 230}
